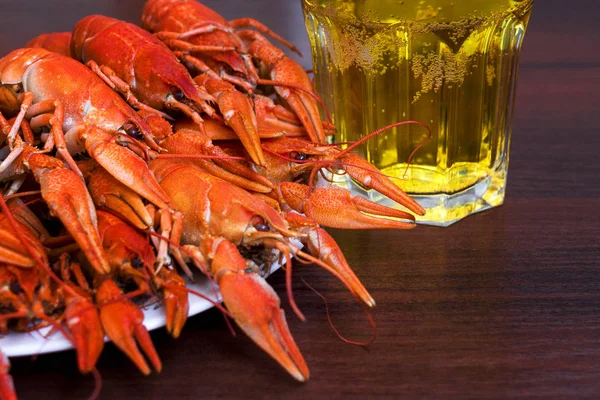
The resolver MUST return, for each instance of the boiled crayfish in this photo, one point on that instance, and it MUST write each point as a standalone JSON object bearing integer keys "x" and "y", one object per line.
{"x": 140, "y": 154}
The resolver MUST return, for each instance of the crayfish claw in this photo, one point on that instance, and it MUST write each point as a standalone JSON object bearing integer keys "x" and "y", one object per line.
{"x": 83, "y": 321}
{"x": 108, "y": 192}
{"x": 255, "y": 306}
{"x": 122, "y": 322}
{"x": 175, "y": 301}
{"x": 191, "y": 141}
{"x": 256, "y": 310}
{"x": 68, "y": 199}
{"x": 322, "y": 244}
{"x": 371, "y": 178}
{"x": 334, "y": 207}
{"x": 238, "y": 113}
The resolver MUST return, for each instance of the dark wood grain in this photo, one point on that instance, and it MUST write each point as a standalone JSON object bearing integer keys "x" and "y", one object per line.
{"x": 505, "y": 304}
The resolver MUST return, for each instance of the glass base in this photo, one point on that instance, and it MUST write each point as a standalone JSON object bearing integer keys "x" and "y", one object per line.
{"x": 442, "y": 209}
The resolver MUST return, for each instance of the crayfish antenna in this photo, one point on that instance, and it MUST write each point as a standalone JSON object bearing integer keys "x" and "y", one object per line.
{"x": 335, "y": 330}
{"x": 284, "y": 249}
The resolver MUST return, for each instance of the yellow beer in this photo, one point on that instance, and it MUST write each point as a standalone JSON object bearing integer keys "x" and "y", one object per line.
{"x": 451, "y": 64}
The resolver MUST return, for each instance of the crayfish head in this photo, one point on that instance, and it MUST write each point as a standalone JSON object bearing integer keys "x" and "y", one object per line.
{"x": 297, "y": 157}
{"x": 258, "y": 230}
{"x": 297, "y": 149}
{"x": 14, "y": 65}
{"x": 128, "y": 135}
{"x": 134, "y": 125}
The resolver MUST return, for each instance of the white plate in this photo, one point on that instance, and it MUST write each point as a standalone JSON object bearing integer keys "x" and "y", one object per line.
{"x": 17, "y": 344}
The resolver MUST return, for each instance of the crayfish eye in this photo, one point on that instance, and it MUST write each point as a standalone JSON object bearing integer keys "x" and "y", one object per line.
{"x": 15, "y": 287}
{"x": 298, "y": 156}
{"x": 260, "y": 224}
{"x": 136, "y": 263}
{"x": 229, "y": 70}
{"x": 132, "y": 130}
{"x": 262, "y": 227}
{"x": 177, "y": 93}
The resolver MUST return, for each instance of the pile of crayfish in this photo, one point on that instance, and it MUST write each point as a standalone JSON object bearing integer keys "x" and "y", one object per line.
{"x": 132, "y": 157}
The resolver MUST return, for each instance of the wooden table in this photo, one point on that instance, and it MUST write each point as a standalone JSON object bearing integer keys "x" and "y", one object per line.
{"x": 504, "y": 304}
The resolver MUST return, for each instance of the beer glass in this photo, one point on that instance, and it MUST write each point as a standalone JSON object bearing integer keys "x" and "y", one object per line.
{"x": 450, "y": 64}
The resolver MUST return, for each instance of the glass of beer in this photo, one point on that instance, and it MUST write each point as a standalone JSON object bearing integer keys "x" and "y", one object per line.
{"x": 450, "y": 64}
